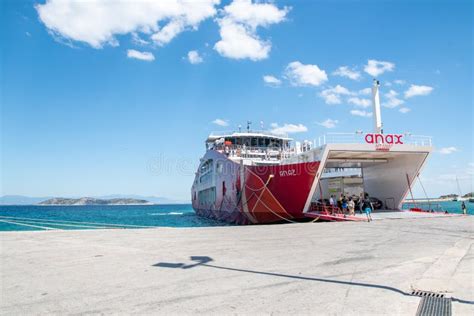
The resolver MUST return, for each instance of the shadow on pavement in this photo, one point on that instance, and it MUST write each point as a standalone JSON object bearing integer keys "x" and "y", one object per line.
{"x": 204, "y": 261}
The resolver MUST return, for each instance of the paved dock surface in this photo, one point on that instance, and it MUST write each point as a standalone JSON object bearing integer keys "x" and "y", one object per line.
{"x": 322, "y": 268}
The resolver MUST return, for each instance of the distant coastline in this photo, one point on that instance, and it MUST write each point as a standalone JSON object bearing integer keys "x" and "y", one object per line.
{"x": 30, "y": 200}
{"x": 443, "y": 198}
{"x": 93, "y": 201}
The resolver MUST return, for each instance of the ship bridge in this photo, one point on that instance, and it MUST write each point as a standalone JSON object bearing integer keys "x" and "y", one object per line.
{"x": 383, "y": 165}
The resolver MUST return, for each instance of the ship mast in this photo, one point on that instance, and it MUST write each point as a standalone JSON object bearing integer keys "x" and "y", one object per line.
{"x": 378, "y": 126}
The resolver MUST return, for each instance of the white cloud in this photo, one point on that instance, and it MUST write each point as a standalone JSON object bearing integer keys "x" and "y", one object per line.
{"x": 416, "y": 90}
{"x": 97, "y": 23}
{"x": 271, "y": 80}
{"x": 221, "y": 122}
{"x": 168, "y": 32}
{"x": 331, "y": 98}
{"x": 391, "y": 100}
{"x": 404, "y": 110}
{"x": 288, "y": 128}
{"x": 345, "y": 71}
{"x": 376, "y": 68}
{"x": 333, "y": 95}
{"x": 194, "y": 57}
{"x": 448, "y": 150}
{"x": 329, "y": 123}
{"x": 361, "y": 113}
{"x": 399, "y": 82}
{"x": 365, "y": 91}
{"x": 363, "y": 103}
{"x": 305, "y": 75}
{"x": 238, "y": 29}
{"x": 237, "y": 42}
{"x": 339, "y": 90}
{"x": 146, "y": 56}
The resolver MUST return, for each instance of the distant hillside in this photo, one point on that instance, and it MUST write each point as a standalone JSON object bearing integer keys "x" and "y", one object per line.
{"x": 448, "y": 196}
{"x": 27, "y": 200}
{"x": 93, "y": 201}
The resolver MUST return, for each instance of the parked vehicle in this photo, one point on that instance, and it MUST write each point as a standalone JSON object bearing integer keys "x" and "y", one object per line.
{"x": 375, "y": 202}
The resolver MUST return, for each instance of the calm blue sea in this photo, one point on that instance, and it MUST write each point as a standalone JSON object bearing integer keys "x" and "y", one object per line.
{"x": 33, "y": 217}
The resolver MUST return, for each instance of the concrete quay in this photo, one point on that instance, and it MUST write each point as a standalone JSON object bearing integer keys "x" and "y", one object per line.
{"x": 346, "y": 268}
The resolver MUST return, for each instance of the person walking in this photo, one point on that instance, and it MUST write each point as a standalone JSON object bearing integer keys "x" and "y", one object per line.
{"x": 351, "y": 206}
{"x": 463, "y": 208}
{"x": 361, "y": 203}
{"x": 344, "y": 204}
{"x": 368, "y": 207}
{"x": 339, "y": 201}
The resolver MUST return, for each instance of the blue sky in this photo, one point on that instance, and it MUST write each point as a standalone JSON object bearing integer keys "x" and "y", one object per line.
{"x": 104, "y": 99}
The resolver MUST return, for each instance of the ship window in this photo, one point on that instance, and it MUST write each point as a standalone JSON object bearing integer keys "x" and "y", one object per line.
{"x": 206, "y": 166}
{"x": 254, "y": 142}
{"x": 219, "y": 167}
{"x": 207, "y": 196}
{"x": 206, "y": 171}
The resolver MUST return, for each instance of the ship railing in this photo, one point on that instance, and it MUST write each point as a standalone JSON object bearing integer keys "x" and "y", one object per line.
{"x": 324, "y": 209}
{"x": 360, "y": 138}
{"x": 265, "y": 132}
{"x": 264, "y": 153}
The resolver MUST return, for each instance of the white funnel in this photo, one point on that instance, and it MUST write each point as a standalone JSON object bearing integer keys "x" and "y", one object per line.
{"x": 376, "y": 102}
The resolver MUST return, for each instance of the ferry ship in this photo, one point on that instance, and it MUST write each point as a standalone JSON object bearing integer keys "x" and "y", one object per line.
{"x": 259, "y": 177}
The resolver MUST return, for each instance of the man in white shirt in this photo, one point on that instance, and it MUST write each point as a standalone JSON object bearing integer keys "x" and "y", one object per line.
{"x": 331, "y": 200}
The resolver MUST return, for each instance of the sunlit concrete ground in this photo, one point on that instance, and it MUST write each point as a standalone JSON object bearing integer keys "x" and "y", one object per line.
{"x": 319, "y": 268}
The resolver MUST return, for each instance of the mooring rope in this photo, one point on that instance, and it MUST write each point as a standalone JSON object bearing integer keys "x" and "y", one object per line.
{"x": 72, "y": 222}
{"x": 34, "y": 226}
{"x": 63, "y": 224}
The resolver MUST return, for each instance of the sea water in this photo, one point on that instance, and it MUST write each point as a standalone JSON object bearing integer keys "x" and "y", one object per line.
{"x": 35, "y": 217}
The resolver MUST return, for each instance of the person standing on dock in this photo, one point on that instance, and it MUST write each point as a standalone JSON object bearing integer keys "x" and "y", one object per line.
{"x": 351, "y": 206}
{"x": 331, "y": 201}
{"x": 463, "y": 208}
{"x": 368, "y": 207}
{"x": 344, "y": 204}
{"x": 339, "y": 201}
{"x": 361, "y": 203}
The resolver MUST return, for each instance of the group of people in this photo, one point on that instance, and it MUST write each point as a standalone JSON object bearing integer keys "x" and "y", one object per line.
{"x": 347, "y": 205}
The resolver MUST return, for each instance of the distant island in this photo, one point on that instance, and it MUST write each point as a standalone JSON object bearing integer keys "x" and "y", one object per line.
{"x": 35, "y": 200}
{"x": 93, "y": 201}
{"x": 449, "y": 196}
{"x": 453, "y": 195}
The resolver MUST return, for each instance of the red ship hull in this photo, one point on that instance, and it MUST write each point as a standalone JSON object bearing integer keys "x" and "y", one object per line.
{"x": 240, "y": 194}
